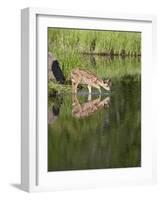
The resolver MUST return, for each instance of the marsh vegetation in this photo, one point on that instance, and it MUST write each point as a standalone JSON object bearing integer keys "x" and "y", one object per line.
{"x": 72, "y": 48}
{"x": 111, "y": 136}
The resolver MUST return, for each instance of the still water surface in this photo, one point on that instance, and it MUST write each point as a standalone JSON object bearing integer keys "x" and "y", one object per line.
{"x": 96, "y": 132}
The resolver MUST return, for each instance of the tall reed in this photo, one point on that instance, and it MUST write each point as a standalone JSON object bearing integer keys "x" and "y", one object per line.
{"x": 92, "y": 41}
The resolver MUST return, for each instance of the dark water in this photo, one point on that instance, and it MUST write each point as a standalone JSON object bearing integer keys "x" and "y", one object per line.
{"x": 94, "y": 132}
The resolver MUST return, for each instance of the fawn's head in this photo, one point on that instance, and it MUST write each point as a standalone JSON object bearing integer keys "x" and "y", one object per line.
{"x": 108, "y": 84}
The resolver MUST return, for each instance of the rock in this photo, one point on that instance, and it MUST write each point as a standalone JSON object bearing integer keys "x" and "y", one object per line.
{"x": 50, "y": 62}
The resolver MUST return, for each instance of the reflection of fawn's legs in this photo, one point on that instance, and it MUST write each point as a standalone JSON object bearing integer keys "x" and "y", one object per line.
{"x": 89, "y": 97}
{"x": 98, "y": 87}
{"x": 75, "y": 104}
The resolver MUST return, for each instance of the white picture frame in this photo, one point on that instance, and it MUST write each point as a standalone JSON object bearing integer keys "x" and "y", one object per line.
{"x": 34, "y": 176}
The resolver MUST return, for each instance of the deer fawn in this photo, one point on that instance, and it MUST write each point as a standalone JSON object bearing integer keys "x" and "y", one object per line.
{"x": 81, "y": 76}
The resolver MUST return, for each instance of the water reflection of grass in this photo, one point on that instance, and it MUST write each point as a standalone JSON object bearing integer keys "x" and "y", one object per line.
{"x": 116, "y": 68}
{"x": 109, "y": 138}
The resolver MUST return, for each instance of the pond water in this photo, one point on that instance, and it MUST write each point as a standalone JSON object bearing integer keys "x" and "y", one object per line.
{"x": 97, "y": 131}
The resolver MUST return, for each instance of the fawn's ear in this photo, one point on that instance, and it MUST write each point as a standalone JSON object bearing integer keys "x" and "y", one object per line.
{"x": 108, "y": 82}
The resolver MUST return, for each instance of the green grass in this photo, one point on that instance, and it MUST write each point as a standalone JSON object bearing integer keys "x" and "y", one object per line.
{"x": 94, "y": 41}
{"x": 69, "y": 46}
{"x": 63, "y": 89}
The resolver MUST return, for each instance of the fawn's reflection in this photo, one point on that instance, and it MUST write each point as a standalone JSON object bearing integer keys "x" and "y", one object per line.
{"x": 89, "y": 107}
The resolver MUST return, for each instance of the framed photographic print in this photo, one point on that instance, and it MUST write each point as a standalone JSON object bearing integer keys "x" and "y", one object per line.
{"x": 86, "y": 105}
